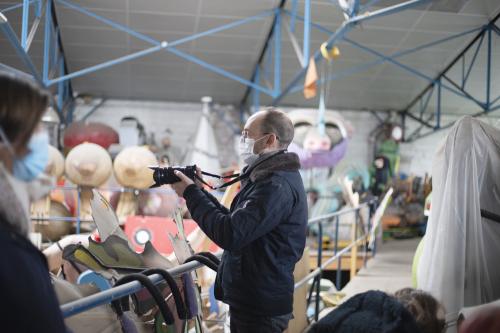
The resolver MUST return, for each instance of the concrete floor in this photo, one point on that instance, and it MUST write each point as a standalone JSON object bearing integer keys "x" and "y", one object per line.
{"x": 388, "y": 271}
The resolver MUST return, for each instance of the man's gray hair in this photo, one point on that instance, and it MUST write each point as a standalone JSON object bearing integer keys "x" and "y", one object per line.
{"x": 277, "y": 122}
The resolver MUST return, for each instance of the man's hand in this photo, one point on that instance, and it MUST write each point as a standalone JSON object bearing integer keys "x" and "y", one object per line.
{"x": 198, "y": 182}
{"x": 181, "y": 185}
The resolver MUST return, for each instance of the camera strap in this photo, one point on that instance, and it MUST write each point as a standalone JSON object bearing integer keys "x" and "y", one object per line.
{"x": 237, "y": 177}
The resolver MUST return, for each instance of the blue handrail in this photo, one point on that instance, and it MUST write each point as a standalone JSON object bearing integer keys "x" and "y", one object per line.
{"x": 105, "y": 297}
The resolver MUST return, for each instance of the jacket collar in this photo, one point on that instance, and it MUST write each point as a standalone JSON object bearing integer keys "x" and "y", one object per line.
{"x": 269, "y": 163}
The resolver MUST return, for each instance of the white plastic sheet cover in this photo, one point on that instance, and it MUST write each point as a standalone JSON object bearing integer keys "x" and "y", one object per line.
{"x": 460, "y": 263}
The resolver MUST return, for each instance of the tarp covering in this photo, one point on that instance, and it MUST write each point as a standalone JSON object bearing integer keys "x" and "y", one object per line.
{"x": 460, "y": 262}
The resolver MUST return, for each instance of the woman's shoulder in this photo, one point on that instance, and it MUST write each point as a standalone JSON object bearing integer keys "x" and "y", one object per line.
{"x": 16, "y": 249}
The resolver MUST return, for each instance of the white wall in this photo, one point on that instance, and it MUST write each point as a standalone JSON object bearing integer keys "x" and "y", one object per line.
{"x": 182, "y": 119}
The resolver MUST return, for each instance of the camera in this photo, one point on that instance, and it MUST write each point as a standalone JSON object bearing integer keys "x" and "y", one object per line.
{"x": 164, "y": 176}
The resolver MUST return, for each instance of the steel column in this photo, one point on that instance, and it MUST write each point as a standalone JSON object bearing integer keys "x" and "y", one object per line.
{"x": 307, "y": 32}
{"x": 255, "y": 92}
{"x": 61, "y": 87}
{"x": 438, "y": 108}
{"x": 293, "y": 16}
{"x": 25, "y": 23}
{"x": 277, "y": 54}
{"x": 488, "y": 70}
{"x": 47, "y": 41}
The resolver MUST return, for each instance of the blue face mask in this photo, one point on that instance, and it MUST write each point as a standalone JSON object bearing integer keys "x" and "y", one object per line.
{"x": 31, "y": 165}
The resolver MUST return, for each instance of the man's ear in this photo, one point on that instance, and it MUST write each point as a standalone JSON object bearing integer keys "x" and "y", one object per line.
{"x": 271, "y": 140}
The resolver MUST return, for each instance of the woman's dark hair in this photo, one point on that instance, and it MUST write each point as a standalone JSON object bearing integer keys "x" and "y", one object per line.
{"x": 22, "y": 104}
{"x": 427, "y": 311}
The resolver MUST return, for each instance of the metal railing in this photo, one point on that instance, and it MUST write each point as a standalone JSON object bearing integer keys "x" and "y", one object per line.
{"x": 352, "y": 248}
{"x": 78, "y": 189}
{"x": 115, "y": 293}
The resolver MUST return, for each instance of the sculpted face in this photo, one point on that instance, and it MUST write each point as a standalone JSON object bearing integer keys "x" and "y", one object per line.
{"x": 88, "y": 164}
{"x": 314, "y": 141}
{"x": 131, "y": 167}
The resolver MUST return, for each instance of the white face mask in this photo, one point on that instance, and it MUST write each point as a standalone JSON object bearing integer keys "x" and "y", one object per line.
{"x": 246, "y": 149}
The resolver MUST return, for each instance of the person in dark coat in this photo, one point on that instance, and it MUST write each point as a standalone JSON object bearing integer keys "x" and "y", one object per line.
{"x": 28, "y": 300}
{"x": 369, "y": 312}
{"x": 263, "y": 233}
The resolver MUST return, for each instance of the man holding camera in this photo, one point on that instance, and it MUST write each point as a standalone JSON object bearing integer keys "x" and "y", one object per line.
{"x": 263, "y": 233}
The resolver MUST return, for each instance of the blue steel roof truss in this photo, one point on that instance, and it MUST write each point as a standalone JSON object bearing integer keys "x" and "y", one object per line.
{"x": 482, "y": 41}
{"x": 54, "y": 61}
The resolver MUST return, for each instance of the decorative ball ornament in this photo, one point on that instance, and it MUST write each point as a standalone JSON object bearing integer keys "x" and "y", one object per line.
{"x": 131, "y": 167}
{"x": 55, "y": 166}
{"x": 80, "y": 132}
{"x": 88, "y": 164}
{"x": 329, "y": 54}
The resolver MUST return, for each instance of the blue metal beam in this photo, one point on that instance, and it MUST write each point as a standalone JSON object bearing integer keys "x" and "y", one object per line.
{"x": 344, "y": 73}
{"x": 94, "y": 109}
{"x": 170, "y": 47}
{"x": 265, "y": 47}
{"x": 387, "y": 11}
{"x": 424, "y": 107}
{"x": 488, "y": 70}
{"x": 38, "y": 8}
{"x": 277, "y": 54}
{"x": 25, "y": 58}
{"x": 417, "y": 131}
{"x": 15, "y": 71}
{"x": 442, "y": 74}
{"x": 293, "y": 15}
{"x": 269, "y": 59}
{"x": 110, "y": 63}
{"x": 412, "y": 116}
{"x": 109, "y": 22}
{"x": 14, "y": 7}
{"x": 494, "y": 101}
{"x": 458, "y": 92}
{"x": 439, "y": 104}
{"x": 307, "y": 32}
{"x": 335, "y": 36}
{"x": 54, "y": 54}
{"x": 473, "y": 61}
{"x": 218, "y": 70}
{"x": 340, "y": 33}
{"x": 25, "y": 23}
{"x": 403, "y": 52}
{"x": 360, "y": 68}
{"x": 260, "y": 16}
{"x": 61, "y": 87}
{"x": 47, "y": 41}
{"x": 256, "y": 93}
{"x": 177, "y": 42}
{"x": 465, "y": 93}
{"x": 496, "y": 28}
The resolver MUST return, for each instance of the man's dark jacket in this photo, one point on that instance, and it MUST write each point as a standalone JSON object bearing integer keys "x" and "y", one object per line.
{"x": 263, "y": 235}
